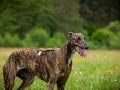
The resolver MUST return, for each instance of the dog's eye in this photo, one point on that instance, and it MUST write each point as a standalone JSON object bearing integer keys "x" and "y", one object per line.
{"x": 78, "y": 38}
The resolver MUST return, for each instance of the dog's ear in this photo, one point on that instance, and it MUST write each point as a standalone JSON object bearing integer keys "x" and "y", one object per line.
{"x": 70, "y": 34}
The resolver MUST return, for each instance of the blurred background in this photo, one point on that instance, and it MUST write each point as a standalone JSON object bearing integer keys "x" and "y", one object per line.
{"x": 46, "y": 23}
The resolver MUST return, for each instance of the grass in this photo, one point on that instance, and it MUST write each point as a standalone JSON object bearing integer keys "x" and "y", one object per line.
{"x": 100, "y": 71}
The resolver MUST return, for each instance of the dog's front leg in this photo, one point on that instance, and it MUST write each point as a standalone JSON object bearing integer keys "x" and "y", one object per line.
{"x": 51, "y": 83}
{"x": 60, "y": 86}
{"x": 51, "y": 86}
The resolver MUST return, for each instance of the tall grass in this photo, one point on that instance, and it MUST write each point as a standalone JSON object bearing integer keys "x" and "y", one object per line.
{"x": 99, "y": 71}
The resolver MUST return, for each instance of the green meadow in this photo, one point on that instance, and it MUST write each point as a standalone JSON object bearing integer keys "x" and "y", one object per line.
{"x": 99, "y": 71}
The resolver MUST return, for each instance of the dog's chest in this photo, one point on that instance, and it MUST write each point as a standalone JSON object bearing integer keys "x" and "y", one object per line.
{"x": 71, "y": 57}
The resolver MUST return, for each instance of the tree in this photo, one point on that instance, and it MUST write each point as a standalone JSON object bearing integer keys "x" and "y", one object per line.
{"x": 100, "y": 12}
{"x": 67, "y": 15}
{"x": 19, "y": 17}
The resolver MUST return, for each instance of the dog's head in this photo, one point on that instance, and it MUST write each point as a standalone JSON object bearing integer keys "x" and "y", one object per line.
{"x": 78, "y": 43}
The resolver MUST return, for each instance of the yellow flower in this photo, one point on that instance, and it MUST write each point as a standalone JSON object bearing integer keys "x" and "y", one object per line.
{"x": 109, "y": 71}
{"x": 116, "y": 67}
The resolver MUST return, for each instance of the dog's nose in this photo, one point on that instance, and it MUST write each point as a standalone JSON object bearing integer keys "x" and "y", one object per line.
{"x": 87, "y": 47}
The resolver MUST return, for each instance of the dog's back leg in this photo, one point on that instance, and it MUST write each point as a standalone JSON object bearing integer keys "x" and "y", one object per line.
{"x": 60, "y": 86}
{"x": 8, "y": 78}
{"x": 27, "y": 78}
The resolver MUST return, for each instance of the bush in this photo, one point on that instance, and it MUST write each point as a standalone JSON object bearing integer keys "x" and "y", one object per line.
{"x": 115, "y": 41}
{"x": 57, "y": 40}
{"x": 36, "y": 38}
{"x": 91, "y": 28}
{"x": 103, "y": 37}
{"x": 11, "y": 41}
{"x": 94, "y": 45}
{"x": 114, "y": 26}
{"x": 85, "y": 33}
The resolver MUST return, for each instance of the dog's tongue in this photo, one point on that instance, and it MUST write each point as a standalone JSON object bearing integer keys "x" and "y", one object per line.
{"x": 81, "y": 51}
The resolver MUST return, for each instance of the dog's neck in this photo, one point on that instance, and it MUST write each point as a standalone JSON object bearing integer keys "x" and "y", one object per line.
{"x": 67, "y": 51}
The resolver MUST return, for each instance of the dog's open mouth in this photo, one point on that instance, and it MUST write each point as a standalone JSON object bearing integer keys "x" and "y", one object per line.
{"x": 81, "y": 51}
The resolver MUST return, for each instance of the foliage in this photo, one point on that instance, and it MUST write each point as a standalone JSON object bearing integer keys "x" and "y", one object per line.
{"x": 57, "y": 40}
{"x": 114, "y": 26}
{"x": 21, "y": 21}
{"x": 103, "y": 36}
{"x": 1, "y": 41}
{"x": 11, "y": 41}
{"x": 91, "y": 28}
{"x": 36, "y": 38}
{"x": 95, "y": 45}
{"x": 18, "y": 17}
{"x": 107, "y": 37}
{"x": 68, "y": 16}
{"x": 115, "y": 41}
{"x": 100, "y": 12}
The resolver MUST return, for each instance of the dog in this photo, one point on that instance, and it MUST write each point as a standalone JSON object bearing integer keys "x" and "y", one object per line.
{"x": 52, "y": 65}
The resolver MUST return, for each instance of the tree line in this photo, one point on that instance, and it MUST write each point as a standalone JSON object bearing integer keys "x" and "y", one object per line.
{"x": 45, "y": 23}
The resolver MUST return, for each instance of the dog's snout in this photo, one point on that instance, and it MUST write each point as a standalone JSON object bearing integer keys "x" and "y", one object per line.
{"x": 87, "y": 47}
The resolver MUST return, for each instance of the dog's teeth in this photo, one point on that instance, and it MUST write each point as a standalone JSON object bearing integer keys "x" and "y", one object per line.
{"x": 77, "y": 47}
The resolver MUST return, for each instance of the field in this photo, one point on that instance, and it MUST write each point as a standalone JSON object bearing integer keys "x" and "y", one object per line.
{"x": 99, "y": 71}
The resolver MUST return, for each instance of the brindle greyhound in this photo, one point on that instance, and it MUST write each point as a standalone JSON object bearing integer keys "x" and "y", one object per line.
{"x": 51, "y": 65}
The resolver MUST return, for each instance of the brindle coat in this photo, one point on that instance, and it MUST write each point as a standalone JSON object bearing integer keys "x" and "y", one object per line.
{"x": 27, "y": 63}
